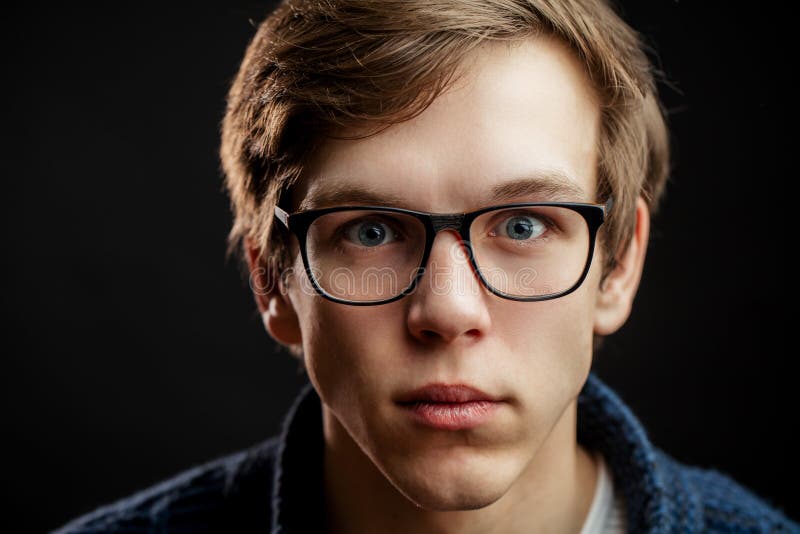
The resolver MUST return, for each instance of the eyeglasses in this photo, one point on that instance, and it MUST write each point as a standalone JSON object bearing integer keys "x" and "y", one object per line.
{"x": 367, "y": 255}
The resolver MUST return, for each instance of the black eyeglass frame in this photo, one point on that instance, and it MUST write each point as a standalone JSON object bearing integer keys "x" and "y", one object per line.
{"x": 299, "y": 222}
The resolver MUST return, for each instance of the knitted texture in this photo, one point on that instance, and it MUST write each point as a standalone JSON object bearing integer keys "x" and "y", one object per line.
{"x": 662, "y": 494}
{"x": 277, "y": 486}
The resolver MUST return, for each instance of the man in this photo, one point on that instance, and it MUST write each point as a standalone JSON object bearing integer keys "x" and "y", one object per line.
{"x": 444, "y": 207}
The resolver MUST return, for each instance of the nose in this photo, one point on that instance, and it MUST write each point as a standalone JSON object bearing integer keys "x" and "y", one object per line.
{"x": 449, "y": 303}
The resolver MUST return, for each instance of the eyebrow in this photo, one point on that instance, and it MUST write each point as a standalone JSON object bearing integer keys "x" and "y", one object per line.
{"x": 552, "y": 185}
{"x": 341, "y": 194}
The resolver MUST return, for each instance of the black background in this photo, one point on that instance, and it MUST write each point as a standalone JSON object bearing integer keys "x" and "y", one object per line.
{"x": 133, "y": 350}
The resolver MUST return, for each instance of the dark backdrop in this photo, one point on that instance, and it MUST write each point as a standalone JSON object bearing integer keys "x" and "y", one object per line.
{"x": 133, "y": 350}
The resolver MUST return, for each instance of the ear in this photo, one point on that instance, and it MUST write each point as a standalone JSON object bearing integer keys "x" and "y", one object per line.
{"x": 616, "y": 293}
{"x": 277, "y": 310}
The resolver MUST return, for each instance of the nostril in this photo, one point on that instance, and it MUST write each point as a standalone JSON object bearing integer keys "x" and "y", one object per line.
{"x": 432, "y": 336}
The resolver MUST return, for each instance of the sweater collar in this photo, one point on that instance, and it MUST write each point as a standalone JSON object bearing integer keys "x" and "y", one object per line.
{"x": 605, "y": 424}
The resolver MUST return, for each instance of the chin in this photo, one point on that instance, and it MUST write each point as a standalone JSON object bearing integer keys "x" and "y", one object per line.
{"x": 451, "y": 486}
{"x": 451, "y": 500}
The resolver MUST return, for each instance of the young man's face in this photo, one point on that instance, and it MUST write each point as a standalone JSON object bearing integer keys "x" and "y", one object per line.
{"x": 525, "y": 110}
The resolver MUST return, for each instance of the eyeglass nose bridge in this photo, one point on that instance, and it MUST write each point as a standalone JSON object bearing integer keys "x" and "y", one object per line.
{"x": 440, "y": 222}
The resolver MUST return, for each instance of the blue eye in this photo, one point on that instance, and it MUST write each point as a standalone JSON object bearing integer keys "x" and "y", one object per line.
{"x": 370, "y": 234}
{"x": 524, "y": 227}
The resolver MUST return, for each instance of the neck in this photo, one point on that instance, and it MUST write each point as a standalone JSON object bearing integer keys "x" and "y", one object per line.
{"x": 553, "y": 493}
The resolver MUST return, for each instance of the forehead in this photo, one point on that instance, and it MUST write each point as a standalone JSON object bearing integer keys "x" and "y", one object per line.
{"x": 522, "y": 121}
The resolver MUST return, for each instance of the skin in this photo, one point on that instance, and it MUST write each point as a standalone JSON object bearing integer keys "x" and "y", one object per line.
{"x": 522, "y": 107}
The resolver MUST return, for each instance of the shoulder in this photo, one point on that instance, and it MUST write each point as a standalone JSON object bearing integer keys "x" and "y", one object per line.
{"x": 228, "y": 491}
{"x": 718, "y": 502}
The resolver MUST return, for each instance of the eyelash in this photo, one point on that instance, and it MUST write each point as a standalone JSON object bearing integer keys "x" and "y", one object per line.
{"x": 339, "y": 235}
{"x": 549, "y": 224}
{"x": 341, "y": 231}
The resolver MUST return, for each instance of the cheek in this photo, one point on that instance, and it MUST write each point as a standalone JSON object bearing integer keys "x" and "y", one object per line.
{"x": 346, "y": 350}
{"x": 552, "y": 334}
{"x": 548, "y": 349}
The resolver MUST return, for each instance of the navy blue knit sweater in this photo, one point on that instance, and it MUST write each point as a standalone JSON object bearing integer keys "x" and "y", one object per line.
{"x": 277, "y": 486}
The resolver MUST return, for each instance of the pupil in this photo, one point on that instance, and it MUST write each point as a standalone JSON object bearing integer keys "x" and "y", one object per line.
{"x": 372, "y": 235}
{"x": 520, "y": 228}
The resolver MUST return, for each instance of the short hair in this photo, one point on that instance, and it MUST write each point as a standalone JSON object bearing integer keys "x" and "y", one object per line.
{"x": 318, "y": 68}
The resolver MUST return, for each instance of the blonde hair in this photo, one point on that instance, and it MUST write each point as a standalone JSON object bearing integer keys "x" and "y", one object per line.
{"x": 315, "y": 68}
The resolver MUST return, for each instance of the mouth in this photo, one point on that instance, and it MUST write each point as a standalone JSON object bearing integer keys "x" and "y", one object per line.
{"x": 449, "y": 407}
{"x": 446, "y": 393}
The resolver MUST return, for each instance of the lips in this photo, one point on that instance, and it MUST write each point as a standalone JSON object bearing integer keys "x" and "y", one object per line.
{"x": 445, "y": 393}
{"x": 450, "y": 407}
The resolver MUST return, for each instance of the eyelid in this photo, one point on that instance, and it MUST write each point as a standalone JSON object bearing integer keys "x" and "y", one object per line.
{"x": 548, "y": 222}
{"x": 395, "y": 231}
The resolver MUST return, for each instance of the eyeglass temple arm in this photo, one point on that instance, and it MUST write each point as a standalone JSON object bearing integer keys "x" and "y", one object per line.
{"x": 282, "y": 215}
{"x": 607, "y": 208}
